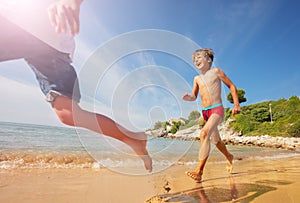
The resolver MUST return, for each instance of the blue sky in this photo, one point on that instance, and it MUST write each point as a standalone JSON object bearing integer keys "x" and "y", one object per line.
{"x": 255, "y": 42}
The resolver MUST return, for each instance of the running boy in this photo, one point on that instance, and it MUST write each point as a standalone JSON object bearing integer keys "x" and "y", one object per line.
{"x": 208, "y": 83}
{"x": 28, "y": 33}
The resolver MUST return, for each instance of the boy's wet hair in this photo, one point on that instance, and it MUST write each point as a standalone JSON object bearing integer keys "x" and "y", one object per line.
{"x": 207, "y": 52}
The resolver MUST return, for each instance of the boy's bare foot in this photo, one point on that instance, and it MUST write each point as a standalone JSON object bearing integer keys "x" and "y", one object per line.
{"x": 139, "y": 147}
{"x": 147, "y": 162}
{"x": 195, "y": 176}
{"x": 229, "y": 164}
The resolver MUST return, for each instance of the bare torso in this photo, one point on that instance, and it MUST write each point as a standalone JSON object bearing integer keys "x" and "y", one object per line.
{"x": 209, "y": 87}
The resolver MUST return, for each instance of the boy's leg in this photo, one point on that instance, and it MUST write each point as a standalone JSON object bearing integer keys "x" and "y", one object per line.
{"x": 221, "y": 146}
{"x": 204, "y": 150}
{"x": 16, "y": 43}
{"x": 71, "y": 114}
{"x": 56, "y": 75}
{"x": 216, "y": 139}
{"x": 58, "y": 81}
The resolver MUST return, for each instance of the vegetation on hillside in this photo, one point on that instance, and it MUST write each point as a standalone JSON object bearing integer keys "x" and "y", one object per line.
{"x": 275, "y": 118}
{"x": 192, "y": 120}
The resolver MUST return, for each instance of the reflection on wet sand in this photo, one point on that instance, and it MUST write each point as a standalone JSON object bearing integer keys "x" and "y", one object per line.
{"x": 231, "y": 192}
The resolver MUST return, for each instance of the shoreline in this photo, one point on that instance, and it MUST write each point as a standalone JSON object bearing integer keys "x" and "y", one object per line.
{"x": 251, "y": 181}
{"x": 229, "y": 137}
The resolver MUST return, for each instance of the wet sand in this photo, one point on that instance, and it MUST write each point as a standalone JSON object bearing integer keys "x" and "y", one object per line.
{"x": 275, "y": 180}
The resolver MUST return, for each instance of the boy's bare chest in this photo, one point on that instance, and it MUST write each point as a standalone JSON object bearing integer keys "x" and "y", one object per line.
{"x": 208, "y": 80}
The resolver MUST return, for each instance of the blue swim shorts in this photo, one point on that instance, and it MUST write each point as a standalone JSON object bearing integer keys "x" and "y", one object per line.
{"x": 52, "y": 68}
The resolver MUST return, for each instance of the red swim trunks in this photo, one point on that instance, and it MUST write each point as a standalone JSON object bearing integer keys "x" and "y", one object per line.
{"x": 217, "y": 110}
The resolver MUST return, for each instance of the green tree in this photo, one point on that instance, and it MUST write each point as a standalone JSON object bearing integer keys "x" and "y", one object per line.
{"x": 194, "y": 115}
{"x": 243, "y": 124}
{"x": 201, "y": 122}
{"x": 261, "y": 113}
{"x": 165, "y": 125}
{"x": 294, "y": 129}
{"x": 158, "y": 125}
{"x": 175, "y": 127}
{"x": 241, "y": 95}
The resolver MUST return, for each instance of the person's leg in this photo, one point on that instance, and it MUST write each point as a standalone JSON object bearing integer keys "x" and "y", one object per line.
{"x": 16, "y": 43}
{"x": 216, "y": 139}
{"x": 55, "y": 74}
{"x": 197, "y": 173}
{"x": 71, "y": 114}
{"x": 204, "y": 150}
{"x": 221, "y": 146}
{"x": 58, "y": 81}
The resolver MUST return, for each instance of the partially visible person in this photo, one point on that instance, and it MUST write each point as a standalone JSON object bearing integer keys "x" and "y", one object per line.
{"x": 41, "y": 33}
{"x": 64, "y": 14}
{"x": 208, "y": 83}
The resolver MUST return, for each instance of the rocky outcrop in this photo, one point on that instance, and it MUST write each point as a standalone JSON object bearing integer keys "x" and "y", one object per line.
{"x": 230, "y": 137}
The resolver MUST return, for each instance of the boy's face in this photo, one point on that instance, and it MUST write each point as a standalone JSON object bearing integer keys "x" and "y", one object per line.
{"x": 201, "y": 61}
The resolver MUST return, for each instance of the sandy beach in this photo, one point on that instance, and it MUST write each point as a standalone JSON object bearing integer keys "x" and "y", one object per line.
{"x": 273, "y": 180}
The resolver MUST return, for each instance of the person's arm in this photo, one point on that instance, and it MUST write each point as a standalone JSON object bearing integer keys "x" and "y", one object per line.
{"x": 236, "y": 104}
{"x": 193, "y": 96}
{"x": 65, "y": 13}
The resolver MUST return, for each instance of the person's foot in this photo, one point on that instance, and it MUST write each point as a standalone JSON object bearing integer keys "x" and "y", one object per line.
{"x": 195, "y": 176}
{"x": 139, "y": 147}
{"x": 229, "y": 166}
{"x": 147, "y": 162}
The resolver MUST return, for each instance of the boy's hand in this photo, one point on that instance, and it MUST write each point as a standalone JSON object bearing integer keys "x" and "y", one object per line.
{"x": 188, "y": 97}
{"x": 236, "y": 110}
{"x": 64, "y": 14}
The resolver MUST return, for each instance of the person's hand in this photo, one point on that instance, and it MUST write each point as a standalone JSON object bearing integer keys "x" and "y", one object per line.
{"x": 236, "y": 110}
{"x": 187, "y": 97}
{"x": 64, "y": 14}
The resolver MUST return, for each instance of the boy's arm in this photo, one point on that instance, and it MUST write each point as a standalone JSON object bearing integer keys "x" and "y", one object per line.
{"x": 193, "y": 96}
{"x": 236, "y": 105}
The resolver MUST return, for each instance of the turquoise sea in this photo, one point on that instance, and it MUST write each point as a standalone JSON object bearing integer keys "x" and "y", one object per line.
{"x": 40, "y": 146}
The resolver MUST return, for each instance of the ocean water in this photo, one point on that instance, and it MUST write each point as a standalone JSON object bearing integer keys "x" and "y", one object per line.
{"x": 39, "y": 146}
